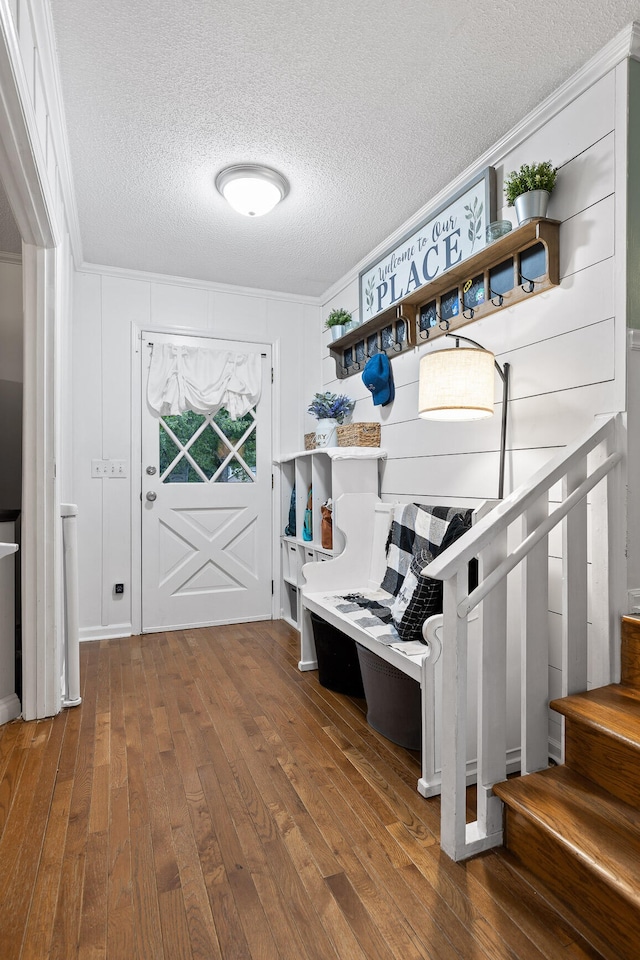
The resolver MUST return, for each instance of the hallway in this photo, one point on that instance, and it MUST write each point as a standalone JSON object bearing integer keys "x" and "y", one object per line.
{"x": 209, "y": 800}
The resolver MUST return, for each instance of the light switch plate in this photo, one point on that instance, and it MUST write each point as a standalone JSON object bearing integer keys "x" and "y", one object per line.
{"x": 99, "y": 468}
{"x": 118, "y": 468}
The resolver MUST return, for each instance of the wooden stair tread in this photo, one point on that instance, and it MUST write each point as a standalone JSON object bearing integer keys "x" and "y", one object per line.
{"x": 614, "y": 709}
{"x": 595, "y": 827}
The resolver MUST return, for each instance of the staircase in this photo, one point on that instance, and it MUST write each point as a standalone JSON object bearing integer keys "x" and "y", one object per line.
{"x": 576, "y": 827}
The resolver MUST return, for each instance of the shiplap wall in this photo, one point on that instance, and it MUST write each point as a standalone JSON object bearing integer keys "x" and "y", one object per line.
{"x": 566, "y": 347}
{"x": 561, "y": 345}
{"x": 106, "y": 309}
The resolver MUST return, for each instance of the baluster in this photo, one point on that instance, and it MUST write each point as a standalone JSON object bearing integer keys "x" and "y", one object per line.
{"x": 430, "y": 764}
{"x": 608, "y": 528}
{"x": 535, "y": 644}
{"x": 574, "y": 587}
{"x": 454, "y": 719}
{"x": 492, "y": 692}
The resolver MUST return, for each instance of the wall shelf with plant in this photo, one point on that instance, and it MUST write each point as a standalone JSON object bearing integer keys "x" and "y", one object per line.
{"x": 518, "y": 265}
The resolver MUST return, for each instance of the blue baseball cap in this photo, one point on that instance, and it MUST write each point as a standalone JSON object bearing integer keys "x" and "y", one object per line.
{"x": 378, "y": 378}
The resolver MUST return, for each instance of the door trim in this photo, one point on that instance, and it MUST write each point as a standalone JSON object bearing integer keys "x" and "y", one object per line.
{"x": 138, "y": 328}
{"x": 32, "y": 207}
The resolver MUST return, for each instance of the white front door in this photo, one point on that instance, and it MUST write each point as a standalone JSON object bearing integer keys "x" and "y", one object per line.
{"x": 206, "y": 508}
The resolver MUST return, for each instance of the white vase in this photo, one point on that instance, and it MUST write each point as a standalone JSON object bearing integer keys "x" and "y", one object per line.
{"x": 327, "y": 433}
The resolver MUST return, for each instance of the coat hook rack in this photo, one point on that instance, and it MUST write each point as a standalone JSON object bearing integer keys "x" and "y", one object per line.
{"x": 520, "y": 264}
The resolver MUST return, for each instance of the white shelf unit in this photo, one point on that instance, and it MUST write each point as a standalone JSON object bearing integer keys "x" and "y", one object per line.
{"x": 330, "y": 472}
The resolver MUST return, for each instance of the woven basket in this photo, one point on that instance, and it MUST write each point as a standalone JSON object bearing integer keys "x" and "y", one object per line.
{"x": 359, "y": 435}
{"x": 310, "y": 441}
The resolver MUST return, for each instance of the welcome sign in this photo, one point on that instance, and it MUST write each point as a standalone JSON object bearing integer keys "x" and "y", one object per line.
{"x": 454, "y": 233}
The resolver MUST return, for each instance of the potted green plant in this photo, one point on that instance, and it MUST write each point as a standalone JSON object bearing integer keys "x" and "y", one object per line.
{"x": 337, "y": 322}
{"x": 529, "y": 189}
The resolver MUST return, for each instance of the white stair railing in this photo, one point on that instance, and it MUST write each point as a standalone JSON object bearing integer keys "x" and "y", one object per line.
{"x": 577, "y": 470}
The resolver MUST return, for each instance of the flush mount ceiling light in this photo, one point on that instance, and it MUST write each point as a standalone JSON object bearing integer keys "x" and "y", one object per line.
{"x": 251, "y": 189}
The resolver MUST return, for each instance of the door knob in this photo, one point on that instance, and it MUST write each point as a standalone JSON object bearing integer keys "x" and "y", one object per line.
{"x": 151, "y": 471}
{"x": 152, "y": 496}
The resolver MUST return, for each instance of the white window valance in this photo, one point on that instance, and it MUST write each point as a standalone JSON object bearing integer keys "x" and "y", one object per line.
{"x": 202, "y": 380}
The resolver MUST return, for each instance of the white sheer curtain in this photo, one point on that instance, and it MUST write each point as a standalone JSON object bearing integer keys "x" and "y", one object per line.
{"x": 202, "y": 380}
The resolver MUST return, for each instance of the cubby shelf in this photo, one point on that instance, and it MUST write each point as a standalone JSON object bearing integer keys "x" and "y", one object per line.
{"x": 328, "y": 472}
{"x": 522, "y": 264}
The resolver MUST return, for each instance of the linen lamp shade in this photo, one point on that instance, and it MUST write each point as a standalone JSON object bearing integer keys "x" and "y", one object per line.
{"x": 456, "y": 384}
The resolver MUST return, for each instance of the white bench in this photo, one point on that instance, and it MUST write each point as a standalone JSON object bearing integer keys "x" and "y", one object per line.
{"x": 360, "y": 568}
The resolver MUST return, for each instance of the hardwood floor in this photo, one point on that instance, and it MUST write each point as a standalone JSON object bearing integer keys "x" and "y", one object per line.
{"x": 209, "y": 800}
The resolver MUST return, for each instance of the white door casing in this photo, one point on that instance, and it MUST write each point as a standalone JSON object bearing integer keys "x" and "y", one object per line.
{"x": 206, "y": 508}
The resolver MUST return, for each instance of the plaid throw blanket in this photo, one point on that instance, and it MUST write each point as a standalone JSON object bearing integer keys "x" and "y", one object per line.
{"x": 416, "y": 530}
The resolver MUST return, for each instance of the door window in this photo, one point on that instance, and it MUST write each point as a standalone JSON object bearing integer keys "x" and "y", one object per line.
{"x": 199, "y": 448}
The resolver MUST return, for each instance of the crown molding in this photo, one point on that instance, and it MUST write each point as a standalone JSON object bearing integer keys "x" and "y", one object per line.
{"x": 210, "y": 286}
{"x": 625, "y": 44}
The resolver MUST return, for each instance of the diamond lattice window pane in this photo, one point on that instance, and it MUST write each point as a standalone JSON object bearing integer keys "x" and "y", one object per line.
{"x": 185, "y": 425}
{"x": 208, "y": 451}
{"x": 233, "y": 429}
{"x": 234, "y": 472}
{"x": 168, "y": 450}
{"x": 183, "y": 472}
{"x": 248, "y": 452}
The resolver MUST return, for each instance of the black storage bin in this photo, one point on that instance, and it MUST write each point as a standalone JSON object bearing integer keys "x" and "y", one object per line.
{"x": 393, "y": 700}
{"x": 338, "y": 665}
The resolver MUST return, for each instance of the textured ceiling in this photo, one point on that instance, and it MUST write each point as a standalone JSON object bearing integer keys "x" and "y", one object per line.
{"x": 368, "y": 108}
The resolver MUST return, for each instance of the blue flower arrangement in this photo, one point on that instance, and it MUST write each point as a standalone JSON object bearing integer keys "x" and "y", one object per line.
{"x": 329, "y": 406}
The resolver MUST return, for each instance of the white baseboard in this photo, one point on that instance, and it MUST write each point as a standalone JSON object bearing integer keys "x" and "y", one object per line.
{"x": 114, "y": 632}
{"x": 555, "y": 750}
{"x": 308, "y": 665}
{"x": 10, "y": 708}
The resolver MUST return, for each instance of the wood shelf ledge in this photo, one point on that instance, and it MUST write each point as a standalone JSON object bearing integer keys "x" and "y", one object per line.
{"x": 407, "y": 310}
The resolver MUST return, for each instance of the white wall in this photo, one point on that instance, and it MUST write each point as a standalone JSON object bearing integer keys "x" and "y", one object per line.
{"x": 566, "y": 347}
{"x": 108, "y": 307}
{"x": 11, "y": 385}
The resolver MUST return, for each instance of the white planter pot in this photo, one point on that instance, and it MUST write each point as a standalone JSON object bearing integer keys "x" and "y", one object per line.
{"x": 532, "y": 204}
{"x": 327, "y": 433}
{"x": 337, "y": 331}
